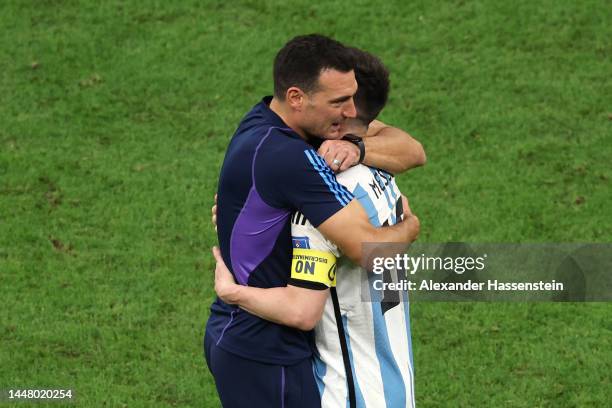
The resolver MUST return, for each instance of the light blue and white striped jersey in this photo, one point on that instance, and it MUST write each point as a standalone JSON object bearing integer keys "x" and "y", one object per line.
{"x": 373, "y": 337}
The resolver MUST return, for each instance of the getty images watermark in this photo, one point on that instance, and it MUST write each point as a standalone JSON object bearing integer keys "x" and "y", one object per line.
{"x": 411, "y": 264}
{"x": 487, "y": 272}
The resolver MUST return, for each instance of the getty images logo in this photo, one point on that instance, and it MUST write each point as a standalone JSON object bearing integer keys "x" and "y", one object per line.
{"x": 411, "y": 264}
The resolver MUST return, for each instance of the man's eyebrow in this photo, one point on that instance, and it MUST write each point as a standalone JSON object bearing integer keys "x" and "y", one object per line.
{"x": 341, "y": 99}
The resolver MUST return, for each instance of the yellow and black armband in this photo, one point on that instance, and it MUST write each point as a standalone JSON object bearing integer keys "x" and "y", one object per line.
{"x": 313, "y": 269}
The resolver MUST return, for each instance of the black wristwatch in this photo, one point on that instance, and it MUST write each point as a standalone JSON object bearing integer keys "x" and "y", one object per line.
{"x": 357, "y": 141}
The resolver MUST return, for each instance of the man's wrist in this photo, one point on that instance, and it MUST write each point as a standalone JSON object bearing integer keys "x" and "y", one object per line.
{"x": 233, "y": 294}
{"x": 357, "y": 141}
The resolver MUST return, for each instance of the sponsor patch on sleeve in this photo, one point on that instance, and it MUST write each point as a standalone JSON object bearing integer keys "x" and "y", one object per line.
{"x": 312, "y": 265}
{"x": 301, "y": 242}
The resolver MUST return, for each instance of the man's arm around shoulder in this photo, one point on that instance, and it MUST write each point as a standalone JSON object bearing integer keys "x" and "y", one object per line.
{"x": 350, "y": 227}
{"x": 392, "y": 149}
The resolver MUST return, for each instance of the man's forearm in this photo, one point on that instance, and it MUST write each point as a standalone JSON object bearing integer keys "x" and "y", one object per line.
{"x": 402, "y": 233}
{"x": 392, "y": 149}
{"x": 350, "y": 227}
{"x": 273, "y": 309}
{"x": 289, "y": 306}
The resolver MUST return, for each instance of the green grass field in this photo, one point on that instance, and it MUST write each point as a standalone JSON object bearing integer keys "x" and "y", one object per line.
{"x": 114, "y": 121}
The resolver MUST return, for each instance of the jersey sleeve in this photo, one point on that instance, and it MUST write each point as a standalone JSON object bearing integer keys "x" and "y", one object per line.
{"x": 296, "y": 177}
{"x": 314, "y": 259}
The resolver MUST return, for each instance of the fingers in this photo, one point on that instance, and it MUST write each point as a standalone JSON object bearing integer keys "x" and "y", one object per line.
{"x": 213, "y": 211}
{"x": 350, "y": 161}
{"x": 415, "y": 226}
{"x": 324, "y": 148}
{"x": 339, "y": 154}
{"x": 339, "y": 161}
{"x": 225, "y": 285}
{"x": 411, "y": 219}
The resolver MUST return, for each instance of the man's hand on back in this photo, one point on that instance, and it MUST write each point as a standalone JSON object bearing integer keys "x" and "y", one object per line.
{"x": 412, "y": 220}
{"x": 339, "y": 154}
{"x": 350, "y": 227}
{"x": 225, "y": 286}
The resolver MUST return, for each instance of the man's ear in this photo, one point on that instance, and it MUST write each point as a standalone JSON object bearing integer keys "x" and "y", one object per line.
{"x": 295, "y": 98}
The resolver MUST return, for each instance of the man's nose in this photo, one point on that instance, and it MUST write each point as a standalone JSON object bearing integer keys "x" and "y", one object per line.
{"x": 350, "y": 111}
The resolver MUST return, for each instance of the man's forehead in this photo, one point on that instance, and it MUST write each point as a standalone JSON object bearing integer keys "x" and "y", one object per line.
{"x": 331, "y": 80}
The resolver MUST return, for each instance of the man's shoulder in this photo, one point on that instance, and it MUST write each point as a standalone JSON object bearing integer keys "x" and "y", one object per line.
{"x": 262, "y": 121}
{"x": 276, "y": 144}
{"x": 283, "y": 147}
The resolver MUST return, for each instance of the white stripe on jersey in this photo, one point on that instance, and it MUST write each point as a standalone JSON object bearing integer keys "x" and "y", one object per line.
{"x": 379, "y": 343}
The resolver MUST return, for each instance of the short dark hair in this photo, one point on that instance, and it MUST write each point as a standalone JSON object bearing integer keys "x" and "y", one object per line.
{"x": 300, "y": 62}
{"x": 372, "y": 85}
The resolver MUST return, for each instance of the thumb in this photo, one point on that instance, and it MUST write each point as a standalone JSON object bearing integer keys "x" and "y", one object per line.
{"x": 217, "y": 254}
{"x": 405, "y": 205}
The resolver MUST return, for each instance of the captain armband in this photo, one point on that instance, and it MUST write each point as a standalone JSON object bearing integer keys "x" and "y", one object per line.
{"x": 311, "y": 265}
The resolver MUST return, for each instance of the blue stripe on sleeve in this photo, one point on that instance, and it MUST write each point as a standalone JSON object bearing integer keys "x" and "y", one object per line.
{"x": 346, "y": 194}
{"x": 310, "y": 155}
{"x": 341, "y": 194}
